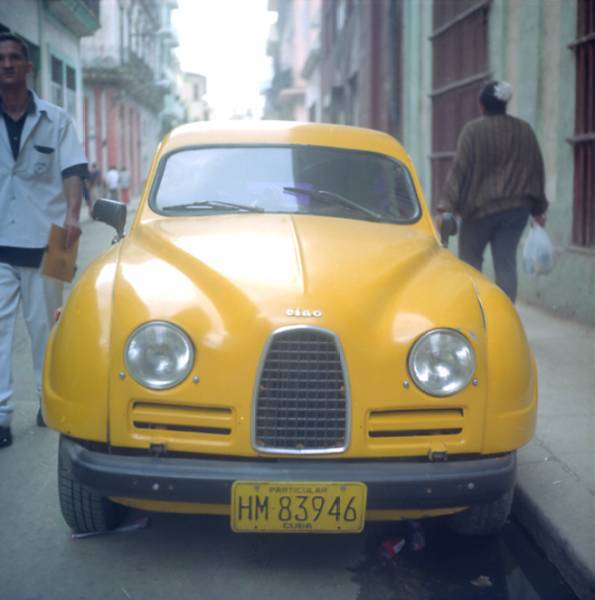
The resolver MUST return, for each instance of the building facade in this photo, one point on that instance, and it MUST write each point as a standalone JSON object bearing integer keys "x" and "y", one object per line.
{"x": 192, "y": 93}
{"x": 130, "y": 75}
{"x": 53, "y": 32}
{"x": 345, "y": 68}
{"x": 288, "y": 46}
{"x": 414, "y": 70}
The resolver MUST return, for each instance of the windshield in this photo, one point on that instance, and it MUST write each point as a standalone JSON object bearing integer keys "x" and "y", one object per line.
{"x": 285, "y": 179}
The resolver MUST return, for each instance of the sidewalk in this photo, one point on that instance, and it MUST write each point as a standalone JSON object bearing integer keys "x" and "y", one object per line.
{"x": 555, "y": 497}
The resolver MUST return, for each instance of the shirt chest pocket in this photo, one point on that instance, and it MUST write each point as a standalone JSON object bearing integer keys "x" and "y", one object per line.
{"x": 42, "y": 159}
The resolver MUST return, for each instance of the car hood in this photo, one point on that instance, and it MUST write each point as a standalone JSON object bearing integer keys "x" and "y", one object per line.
{"x": 267, "y": 265}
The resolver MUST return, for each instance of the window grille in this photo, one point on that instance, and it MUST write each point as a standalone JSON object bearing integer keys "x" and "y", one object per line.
{"x": 57, "y": 83}
{"x": 459, "y": 47}
{"x": 583, "y": 141}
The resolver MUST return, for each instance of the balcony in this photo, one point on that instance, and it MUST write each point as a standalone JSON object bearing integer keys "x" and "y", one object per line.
{"x": 282, "y": 79}
{"x": 133, "y": 77}
{"x": 169, "y": 36}
{"x": 285, "y": 88}
{"x": 79, "y": 16}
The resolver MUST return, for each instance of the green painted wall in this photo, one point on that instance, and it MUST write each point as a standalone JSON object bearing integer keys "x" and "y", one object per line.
{"x": 417, "y": 84}
{"x": 528, "y": 46}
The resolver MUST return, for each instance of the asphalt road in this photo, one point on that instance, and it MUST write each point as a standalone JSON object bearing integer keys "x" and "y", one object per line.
{"x": 190, "y": 557}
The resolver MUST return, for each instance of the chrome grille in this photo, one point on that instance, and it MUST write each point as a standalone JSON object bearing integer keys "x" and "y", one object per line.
{"x": 301, "y": 397}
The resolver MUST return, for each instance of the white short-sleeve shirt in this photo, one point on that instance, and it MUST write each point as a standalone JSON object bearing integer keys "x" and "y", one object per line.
{"x": 31, "y": 188}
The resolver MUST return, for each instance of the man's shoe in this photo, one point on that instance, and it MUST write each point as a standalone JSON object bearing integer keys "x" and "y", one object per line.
{"x": 5, "y": 437}
{"x": 40, "y": 421}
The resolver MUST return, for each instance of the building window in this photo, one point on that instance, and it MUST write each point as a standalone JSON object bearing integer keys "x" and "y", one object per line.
{"x": 340, "y": 14}
{"x": 338, "y": 105}
{"x": 63, "y": 86}
{"x": 460, "y": 29}
{"x": 70, "y": 92}
{"x": 353, "y": 102}
{"x": 57, "y": 84}
{"x": 195, "y": 92}
{"x": 583, "y": 225}
{"x": 328, "y": 26}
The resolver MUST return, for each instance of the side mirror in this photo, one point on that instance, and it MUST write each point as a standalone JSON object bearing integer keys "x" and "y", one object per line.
{"x": 448, "y": 228}
{"x": 112, "y": 213}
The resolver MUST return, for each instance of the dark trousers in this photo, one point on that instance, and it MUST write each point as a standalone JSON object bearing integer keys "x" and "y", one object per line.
{"x": 503, "y": 232}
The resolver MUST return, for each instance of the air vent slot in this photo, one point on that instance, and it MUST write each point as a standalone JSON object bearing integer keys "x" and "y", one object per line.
{"x": 415, "y": 423}
{"x": 216, "y": 421}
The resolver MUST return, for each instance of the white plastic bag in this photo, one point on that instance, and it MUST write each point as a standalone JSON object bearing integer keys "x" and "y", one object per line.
{"x": 538, "y": 251}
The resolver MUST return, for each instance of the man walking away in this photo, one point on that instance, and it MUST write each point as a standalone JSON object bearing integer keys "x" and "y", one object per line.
{"x": 42, "y": 165}
{"x": 496, "y": 181}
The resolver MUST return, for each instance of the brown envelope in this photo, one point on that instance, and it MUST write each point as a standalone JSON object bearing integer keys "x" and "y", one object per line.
{"x": 58, "y": 262}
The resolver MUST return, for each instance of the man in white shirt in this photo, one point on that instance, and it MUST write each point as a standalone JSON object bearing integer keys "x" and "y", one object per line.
{"x": 112, "y": 182}
{"x": 42, "y": 165}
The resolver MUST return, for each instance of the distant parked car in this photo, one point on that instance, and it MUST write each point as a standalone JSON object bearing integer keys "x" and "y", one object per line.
{"x": 281, "y": 337}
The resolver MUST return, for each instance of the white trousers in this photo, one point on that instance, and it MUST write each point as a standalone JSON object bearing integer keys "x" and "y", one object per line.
{"x": 39, "y": 297}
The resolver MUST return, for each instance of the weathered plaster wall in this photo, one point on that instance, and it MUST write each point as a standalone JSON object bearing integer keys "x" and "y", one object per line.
{"x": 104, "y": 45}
{"x": 541, "y": 68}
{"x": 417, "y": 84}
{"x": 24, "y": 21}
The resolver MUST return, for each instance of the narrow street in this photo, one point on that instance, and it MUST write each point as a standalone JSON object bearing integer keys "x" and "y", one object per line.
{"x": 179, "y": 556}
{"x": 310, "y": 352}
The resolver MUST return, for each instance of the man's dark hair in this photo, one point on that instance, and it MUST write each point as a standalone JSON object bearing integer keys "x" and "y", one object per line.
{"x": 491, "y": 104}
{"x": 8, "y": 36}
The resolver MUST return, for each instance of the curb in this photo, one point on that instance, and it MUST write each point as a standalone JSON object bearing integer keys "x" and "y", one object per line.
{"x": 573, "y": 558}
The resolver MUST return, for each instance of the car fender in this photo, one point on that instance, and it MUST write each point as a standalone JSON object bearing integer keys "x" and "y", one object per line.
{"x": 75, "y": 386}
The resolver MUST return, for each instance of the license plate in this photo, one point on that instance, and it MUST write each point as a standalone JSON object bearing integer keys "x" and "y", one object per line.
{"x": 298, "y": 507}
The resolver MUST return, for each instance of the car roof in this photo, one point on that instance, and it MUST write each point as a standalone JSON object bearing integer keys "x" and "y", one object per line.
{"x": 209, "y": 133}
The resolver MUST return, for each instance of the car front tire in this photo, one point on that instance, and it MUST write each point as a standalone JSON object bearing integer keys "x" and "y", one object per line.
{"x": 483, "y": 519}
{"x": 83, "y": 510}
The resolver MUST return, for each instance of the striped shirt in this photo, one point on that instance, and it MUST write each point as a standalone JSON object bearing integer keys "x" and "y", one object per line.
{"x": 498, "y": 166}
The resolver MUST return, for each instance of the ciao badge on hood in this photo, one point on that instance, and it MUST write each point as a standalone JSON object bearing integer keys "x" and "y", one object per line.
{"x": 302, "y": 312}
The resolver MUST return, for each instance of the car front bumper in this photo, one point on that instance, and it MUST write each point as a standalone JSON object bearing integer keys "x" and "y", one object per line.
{"x": 392, "y": 484}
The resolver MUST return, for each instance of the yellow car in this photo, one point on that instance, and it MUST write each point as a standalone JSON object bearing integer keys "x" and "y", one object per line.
{"x": 283, "y": 338}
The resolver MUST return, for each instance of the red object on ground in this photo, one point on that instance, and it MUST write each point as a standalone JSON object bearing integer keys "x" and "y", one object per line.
{"x": 391, "y": 547}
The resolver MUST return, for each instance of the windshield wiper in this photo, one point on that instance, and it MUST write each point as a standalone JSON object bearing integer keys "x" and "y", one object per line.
{"x": 336, "y": 198}
{"x": 214, "y": 204}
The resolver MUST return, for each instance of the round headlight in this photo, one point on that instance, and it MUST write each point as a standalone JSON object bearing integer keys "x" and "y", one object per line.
{"x": 159, "y": 355}
{"x": 441, "y": 362}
